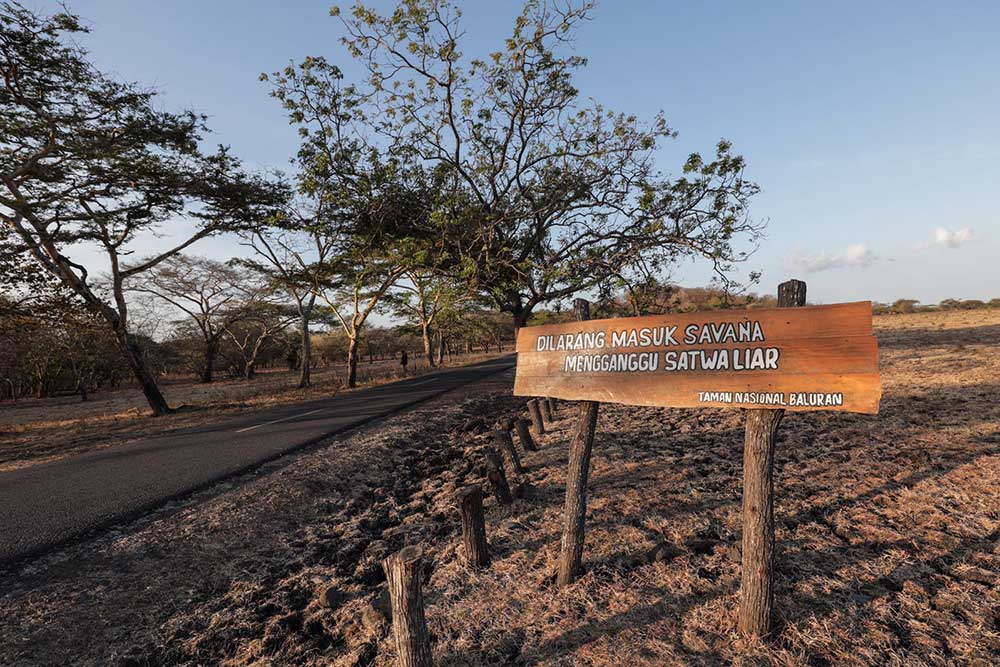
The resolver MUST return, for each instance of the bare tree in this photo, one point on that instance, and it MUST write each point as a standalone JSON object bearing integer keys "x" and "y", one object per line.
{"x": 212, "y": 294}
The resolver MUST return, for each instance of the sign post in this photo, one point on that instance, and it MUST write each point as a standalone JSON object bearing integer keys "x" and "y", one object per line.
{"x": 757, "y": 585}
{"x": 794, "y": 357}
{"x": 575, "y": 515}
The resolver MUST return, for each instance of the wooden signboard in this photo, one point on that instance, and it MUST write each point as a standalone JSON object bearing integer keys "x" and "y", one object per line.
{"x": 810, "y": 358}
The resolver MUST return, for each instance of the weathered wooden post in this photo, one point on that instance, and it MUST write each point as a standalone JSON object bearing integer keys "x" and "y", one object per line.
{"x": 507, "y": 445}
{"x": 546, "y": 409}
{"x": 536, "y": 416}
{"x": 498, "y": 480}
{"x": 409, "y": 628}
{"x": 470, "y": 503}
{"x": 575, "y": 514}
{"x": 757, "y": 587}
{"x": 524, "y": 435}
{"x": 552, "y": 405}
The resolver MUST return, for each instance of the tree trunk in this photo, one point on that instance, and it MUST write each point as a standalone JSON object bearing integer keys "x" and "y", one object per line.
{"x": 352, "y": 362}
{"x": 211, "y": 352}
{"x": 137, "y": 363}
{"x": 425, "y": 330}
{"x": 305, "y": 378}
{"x": 441, "y": 349}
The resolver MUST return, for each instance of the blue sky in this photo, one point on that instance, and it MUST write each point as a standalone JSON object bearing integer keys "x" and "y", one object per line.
{"x": 872, "y": 128}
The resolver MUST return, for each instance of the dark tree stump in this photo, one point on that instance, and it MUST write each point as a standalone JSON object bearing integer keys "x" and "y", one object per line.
{"x": 575, "y": 513}
{"x": 757, "y": 585}
{"x": 470, "y": 502}
{"x": 546, "y": 409}
{"x": 524, "y": 435}
{"x": 498, "y": 480}
{"x": 536, "y": 416}
{"x": 507, "y": 445}
{"x": 409, "y": 628}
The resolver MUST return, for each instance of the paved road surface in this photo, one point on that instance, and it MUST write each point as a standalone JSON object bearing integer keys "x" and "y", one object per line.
{"x": 44, "y": 505}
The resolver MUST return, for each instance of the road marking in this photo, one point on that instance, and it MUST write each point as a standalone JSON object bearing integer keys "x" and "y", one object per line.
{"x": 414, "y": 384}
{"x": 283, "y": 419}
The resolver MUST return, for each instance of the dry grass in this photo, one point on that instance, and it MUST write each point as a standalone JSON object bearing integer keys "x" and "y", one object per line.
{"x": 888, "y": 531}
{"x": 38, "y": 430}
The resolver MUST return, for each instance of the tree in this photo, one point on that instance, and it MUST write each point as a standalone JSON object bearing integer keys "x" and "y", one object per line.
{"x": 371, "y": 208}
{"x": 215, "y": 296}
{"x": 250, "y": 334}
{"x": 550, "y": 195}
{"x": 88, "y": 160}
{"x": 422, "y": 298}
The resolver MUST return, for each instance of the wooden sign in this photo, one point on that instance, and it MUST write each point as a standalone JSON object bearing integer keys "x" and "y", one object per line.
{"x": 810, "y": 358}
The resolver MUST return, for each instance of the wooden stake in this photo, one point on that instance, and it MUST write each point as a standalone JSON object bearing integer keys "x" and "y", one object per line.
{"x": 757, "y": 587}
{"x": 470, "y": 502}
{"x": 524, "y": 435}
{"x": 409, "y": 628}
{"x": 536, "y": 416}
{"x": 507, "y": 445}
{"x": 575, "y": 514}
{"x": 546, "y": 409}
{"x": 552, "y": 404}
{"x": 498, "y": 480}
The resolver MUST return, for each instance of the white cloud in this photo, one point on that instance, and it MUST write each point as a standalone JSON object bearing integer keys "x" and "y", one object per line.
{"x": 949, "y": 239}
{"x": 857, "y": 255}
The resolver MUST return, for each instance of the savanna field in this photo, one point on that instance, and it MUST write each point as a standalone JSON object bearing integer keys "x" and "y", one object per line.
{"x": 887, "y": 530}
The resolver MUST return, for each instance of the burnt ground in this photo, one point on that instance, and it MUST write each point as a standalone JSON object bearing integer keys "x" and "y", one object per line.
{"x": 888, "y": 534}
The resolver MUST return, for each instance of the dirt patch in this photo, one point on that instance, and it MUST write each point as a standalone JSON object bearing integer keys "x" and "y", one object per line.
{"x": 888, "y": 532}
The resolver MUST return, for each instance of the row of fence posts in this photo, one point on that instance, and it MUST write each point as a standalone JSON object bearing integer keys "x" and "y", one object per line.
{"x": 403, "y": 569}
{"x": 756, "y": 590}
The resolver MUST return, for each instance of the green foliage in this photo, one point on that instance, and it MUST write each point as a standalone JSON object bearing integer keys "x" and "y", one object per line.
{"x": 546, "y": 194}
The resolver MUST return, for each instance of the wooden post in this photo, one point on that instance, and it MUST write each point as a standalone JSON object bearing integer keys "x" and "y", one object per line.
{"x": 507, "y": 423}
{"x": 546, "y": 409}
{"x": 552, "y": 404}
{"x": 524, "y": 435}
{"x": 536, "y": 416}
{"x": 409, "y": 628}
{"x": 757, "y": 587}
{"x": 470, "y": 502}
{"x": 507, "y": 444}
{"x": 498, "y": 480}
{"x": 575, "y": 514}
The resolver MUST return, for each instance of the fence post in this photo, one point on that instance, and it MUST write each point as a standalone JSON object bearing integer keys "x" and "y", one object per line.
{"x": 575, "y": 514}
{"x": 536, "y": 416}
{"x": 524, "y": 435}
{"x": 498, "y": 480}
{"x": 409, "y": 628}
{"x": 470, "y": 502}
{"x": 757, "y": 586}
{"x": 507, "y": 444}
{"x": 546, "y": 409}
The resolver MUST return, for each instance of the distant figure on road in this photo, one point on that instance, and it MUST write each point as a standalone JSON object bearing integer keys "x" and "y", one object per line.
{"x": 403, "y": 360}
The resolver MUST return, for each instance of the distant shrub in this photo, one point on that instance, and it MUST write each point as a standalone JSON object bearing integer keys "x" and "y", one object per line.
{"x": 902, "y": 306}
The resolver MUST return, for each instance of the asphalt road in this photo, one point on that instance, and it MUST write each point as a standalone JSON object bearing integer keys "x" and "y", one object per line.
{"x": 46, "y": 505}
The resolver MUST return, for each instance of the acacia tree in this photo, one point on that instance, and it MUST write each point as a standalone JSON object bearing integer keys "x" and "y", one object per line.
{"x": 212, "y": 294}
{"x": 291, "y": 251}
{"x": 422, "y": 298}
{"x": 88, "y": 160}
{"x": 551, "y": 194}
{"x": 373, "y": 209}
